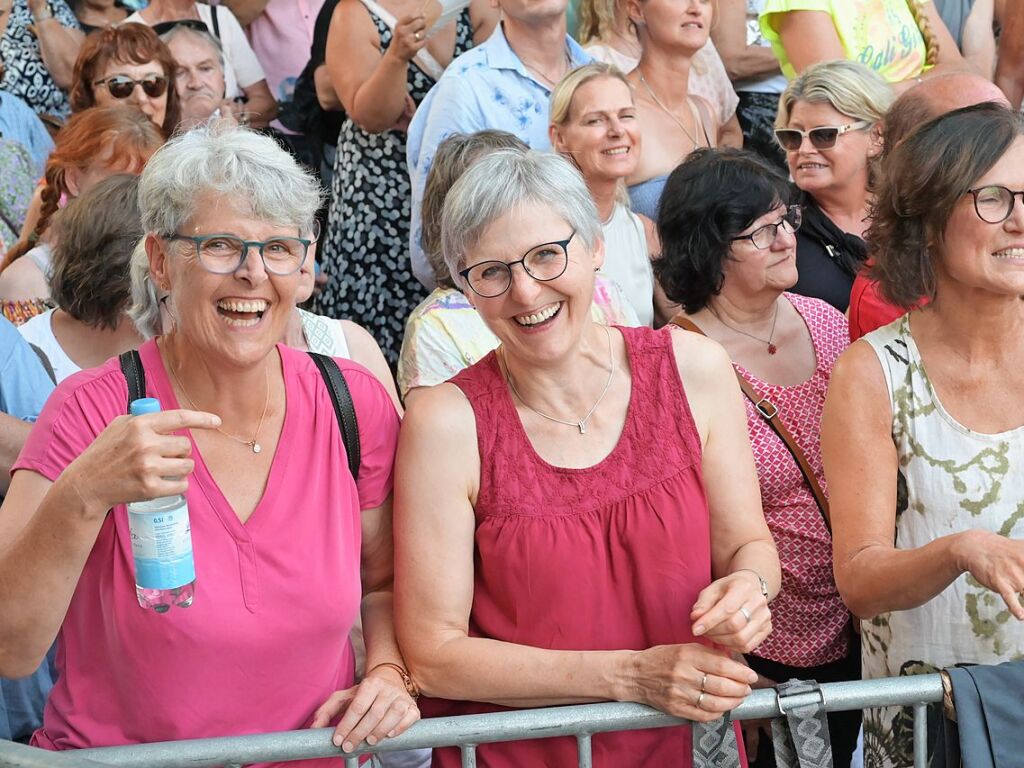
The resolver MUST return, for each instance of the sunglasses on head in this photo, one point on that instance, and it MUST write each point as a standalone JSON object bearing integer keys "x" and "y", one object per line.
{"x": 121, "y": 86}
{"x": 166, "y": 26}
{"x": 824, "y": 137}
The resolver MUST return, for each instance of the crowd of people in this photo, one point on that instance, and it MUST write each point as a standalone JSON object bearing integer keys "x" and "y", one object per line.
{"x": 682, "y": 341}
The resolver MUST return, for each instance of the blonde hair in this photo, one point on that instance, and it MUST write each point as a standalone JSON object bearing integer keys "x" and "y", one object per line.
{"x": 924, "y": 25}
{"x": 596, "y": 20}
{"x": 563, "y": 94}
{"x": 849, "y": 86}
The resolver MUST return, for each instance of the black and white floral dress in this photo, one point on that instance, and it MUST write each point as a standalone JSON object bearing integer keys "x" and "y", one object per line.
{"x": 26, "y": 75}
{"x": 365, "y": 249}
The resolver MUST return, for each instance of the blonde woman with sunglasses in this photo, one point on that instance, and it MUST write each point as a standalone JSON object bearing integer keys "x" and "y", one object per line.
{"x": 829, "y": 125}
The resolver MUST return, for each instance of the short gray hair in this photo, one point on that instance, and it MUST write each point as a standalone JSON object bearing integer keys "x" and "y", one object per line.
{"x": 145, "y": 304}
{"x": 201, "y": 34}
{"x": 504, "y": 180}
{"x": 231, "y": 162}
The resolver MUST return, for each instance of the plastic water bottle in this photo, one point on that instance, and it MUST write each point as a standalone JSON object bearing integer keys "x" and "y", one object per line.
{"x": 165, "y": 573}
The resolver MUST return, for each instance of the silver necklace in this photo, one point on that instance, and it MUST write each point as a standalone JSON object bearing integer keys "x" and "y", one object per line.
{"x": 540, "y": 73}
{"x": 772, "y": 349}
{"x": 581, "y": 424}
{"x": 672, "y": 114}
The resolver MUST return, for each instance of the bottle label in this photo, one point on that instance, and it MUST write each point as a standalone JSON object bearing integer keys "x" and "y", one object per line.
{"x": 162, "y": 546}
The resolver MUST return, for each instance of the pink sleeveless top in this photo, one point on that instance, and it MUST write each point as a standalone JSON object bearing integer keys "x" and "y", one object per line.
{"x": 608, "y": 557}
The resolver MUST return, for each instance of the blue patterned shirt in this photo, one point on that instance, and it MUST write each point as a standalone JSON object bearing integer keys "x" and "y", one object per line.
{"x": 485, "y": 88}
{"x": 20, "y": 123}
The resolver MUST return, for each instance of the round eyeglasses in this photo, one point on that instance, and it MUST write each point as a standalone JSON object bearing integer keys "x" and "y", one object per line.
{"x": 994, "y": 203}
{"x": 224, "y": 254}
{"x": 823, "y": 137}
{"x": 121, "y": 86}
{"x": 763, "y": 237}
{"x": 542, "y": 262}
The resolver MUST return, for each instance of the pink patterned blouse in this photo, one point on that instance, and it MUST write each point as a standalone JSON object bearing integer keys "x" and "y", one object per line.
{"x": 811, "y": 622}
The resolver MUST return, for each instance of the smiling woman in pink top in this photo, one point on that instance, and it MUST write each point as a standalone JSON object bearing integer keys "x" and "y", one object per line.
{"x": 288, "y": 544}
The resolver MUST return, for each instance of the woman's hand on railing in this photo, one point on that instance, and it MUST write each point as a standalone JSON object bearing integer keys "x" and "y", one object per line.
{"x": 376, "y": 709}
{"x": 732, "y": 612}
{"x": 690, "y": 681}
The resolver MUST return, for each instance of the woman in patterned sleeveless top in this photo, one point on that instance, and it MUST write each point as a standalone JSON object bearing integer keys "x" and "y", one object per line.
{"x": 579, "y": 516}
{"x": 732, "y": 279}
{"x": 923, "y": 432}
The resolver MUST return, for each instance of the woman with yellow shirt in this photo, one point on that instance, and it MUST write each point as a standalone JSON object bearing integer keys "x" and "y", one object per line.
{"x": 902, "y": 40}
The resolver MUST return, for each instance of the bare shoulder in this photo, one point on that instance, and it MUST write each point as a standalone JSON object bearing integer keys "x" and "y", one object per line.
{"x": 443, "y": 412}
{"x": 857, "y": 377}
{"x": 352, "y": 19}
{"x": 701, "y": 361}
{"x": 360, "y": 342}
{"x": 651, "y": 233}
{"x": 23, "y": 280}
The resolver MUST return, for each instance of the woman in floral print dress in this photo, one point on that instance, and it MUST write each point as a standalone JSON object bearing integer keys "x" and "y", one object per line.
{"x": 923, "y": 431}
{"x": 382, "y": 62}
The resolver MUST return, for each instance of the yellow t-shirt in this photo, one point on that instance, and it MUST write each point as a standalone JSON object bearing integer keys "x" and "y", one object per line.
{"x": 879, "y": 33}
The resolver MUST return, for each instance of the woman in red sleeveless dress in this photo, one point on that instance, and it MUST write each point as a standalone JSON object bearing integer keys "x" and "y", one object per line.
{"x": 578, "y": 516}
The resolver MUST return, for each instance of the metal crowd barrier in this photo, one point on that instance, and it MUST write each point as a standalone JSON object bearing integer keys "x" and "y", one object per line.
{"x": 469, "y": 731}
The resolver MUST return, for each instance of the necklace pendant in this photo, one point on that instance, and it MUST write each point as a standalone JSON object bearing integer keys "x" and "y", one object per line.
{"x": 772, "y": 349}
{"x": 583, "y": 427}
{"x": 256, "y": 447}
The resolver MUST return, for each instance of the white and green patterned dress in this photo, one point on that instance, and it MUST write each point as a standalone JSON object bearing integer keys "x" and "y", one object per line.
{"x": 951, "y": 479}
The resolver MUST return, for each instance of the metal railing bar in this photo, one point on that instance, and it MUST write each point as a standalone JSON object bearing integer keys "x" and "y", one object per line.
{"x": 351, "y": 762}
{"x": 15, "y": 755}
{"x": 468, "y": 755}
{"x": 583, "y": 746}
{"x": 503, "y": 726}
{"x": 920, "y": 736}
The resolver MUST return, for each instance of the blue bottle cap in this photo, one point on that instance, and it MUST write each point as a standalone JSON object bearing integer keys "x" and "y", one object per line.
{"x": 144, "y": 405}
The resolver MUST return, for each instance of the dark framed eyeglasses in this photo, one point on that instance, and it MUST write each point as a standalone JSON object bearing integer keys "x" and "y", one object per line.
{"x": 121, "y": 86}
{"x": 166, "y": 26}
{"x": 763, "y": 237}
{"x": 823, "y": 137}
{"x": 224, "y": 254}
{"x": 543, "y": 262}
{"x": 994, "y": 203}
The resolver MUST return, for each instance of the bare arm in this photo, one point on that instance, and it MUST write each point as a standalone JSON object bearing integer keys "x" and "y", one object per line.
{"x": 371, "y": 85}
{"x": 246, "y": 10}
{"x": 485, "y": 17}
{"x": 58, "y": 45}
{"x": 260, "y": 107}
{"x": 861, "y": 463}
{"x": 664, "y": 309}
{"x": 809, "y": 37}
{"x": 130, "y": 460}
{"x": 1010, "y": 66}
{"x": 365, "y": 351}
{"x": 325, "y": 92}
{"x": 729, "y": 34}
{"x": 979, "y": 42}
{"x": 435, "y": 541}
{"x": 741, "y": 544}
{"x": 13, "y": 434}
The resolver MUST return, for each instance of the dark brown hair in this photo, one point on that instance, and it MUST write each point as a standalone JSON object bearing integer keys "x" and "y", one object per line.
{"x": 451, "y": 159}
{"x": 96, "y": 234}
{"x": 927, "y": 175}
{"x": 128, "y": 44}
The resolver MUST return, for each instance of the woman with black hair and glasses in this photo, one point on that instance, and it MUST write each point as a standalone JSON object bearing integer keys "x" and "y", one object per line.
{"x": 829, "y": 124}
{"x": 729, "y": 255}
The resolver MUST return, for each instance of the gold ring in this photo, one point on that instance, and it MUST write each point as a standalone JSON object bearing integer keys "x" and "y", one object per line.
{"x": 703, "y": 682}
{"x": 746, "y": 613}
{"x": 700, "y": 700}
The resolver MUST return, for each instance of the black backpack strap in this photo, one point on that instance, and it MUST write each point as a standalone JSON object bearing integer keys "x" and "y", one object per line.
{"x": 131, "y": 367}
{"x": 47, "y": 365}
{"x": 216, "y": 22}
{"x": 344, "y": 408}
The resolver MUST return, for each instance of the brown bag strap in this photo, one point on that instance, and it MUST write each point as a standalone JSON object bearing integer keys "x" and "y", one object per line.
{"x": 770, "y": 413}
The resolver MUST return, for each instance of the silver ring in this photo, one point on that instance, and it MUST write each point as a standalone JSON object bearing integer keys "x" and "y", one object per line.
{"x": 746, "y": 613}
{"x": 418, "y": 36}
{"x": 703, "y": 682}
{"x": 700, "y": 700}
